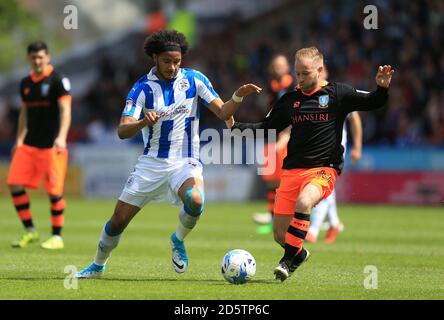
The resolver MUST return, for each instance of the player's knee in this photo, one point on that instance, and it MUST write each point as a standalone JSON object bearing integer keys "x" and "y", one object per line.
{"x": 304, "y": 204}
{"x": 194, "y": 201}
{"x": 13, "y": 188}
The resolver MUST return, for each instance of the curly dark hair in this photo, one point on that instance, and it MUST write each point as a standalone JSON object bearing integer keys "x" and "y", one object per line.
{"x": 158, "y": 42}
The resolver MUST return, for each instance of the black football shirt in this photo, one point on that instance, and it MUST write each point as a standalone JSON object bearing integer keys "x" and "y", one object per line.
{"x": 317, "y": 120}
{"x": 40, "y": 96}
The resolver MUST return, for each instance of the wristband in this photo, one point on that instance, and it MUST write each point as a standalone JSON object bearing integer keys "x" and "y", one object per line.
{"x": 236, "y": 98}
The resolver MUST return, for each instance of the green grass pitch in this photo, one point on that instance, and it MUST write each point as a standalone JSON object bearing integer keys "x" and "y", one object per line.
{"x": 406, "y": 244}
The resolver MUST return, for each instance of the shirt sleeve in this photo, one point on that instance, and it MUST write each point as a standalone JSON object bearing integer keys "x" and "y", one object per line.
{"x": 278, "y": 118}
{"x": 139, "y": 96}
{"x": 205, "y": 89}
{"x": 351, "y": 99}
{"x": 62, "y": 86}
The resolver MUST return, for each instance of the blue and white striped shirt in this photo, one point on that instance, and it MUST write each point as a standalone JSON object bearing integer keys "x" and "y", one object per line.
{"x": 176, "y": 134}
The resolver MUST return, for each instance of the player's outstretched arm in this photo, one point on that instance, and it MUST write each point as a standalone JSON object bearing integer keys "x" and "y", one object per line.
{"x": 352, "y": 99}
{"x": 278, "y": 119}
{"x": 129, "y": 126}
{"x": 225, "y": 110}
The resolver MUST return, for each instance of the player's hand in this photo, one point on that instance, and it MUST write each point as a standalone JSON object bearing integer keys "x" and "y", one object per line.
{"x": 248, "y": 89}
{"x": 355, "y": 155}
{"x": 384, "y": 76}
{"x": 150, "y": 118}
{"x": 229, "y": 123}
{"x": 60, "y": 144}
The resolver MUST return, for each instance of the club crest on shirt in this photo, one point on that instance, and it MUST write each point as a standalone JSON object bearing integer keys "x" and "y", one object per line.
{"x": 26, "y": 91}
{"x": 66, "y": 84}
{"x": 323, "y": 101}
{"x": 192, "y": 164}
{"x": 45, "y": 89}
{"x": 183, "y": 85}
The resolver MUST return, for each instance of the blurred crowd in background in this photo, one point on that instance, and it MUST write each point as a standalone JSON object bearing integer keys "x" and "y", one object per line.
{"x": 409, "y": 37}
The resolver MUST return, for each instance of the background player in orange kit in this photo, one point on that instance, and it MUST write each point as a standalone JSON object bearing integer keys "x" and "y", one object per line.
{"x": 281, "y": 81}
{"x": 40, "y": 153}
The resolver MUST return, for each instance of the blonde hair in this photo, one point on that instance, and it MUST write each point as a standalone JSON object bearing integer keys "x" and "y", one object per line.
{"x": 310, "y": 53}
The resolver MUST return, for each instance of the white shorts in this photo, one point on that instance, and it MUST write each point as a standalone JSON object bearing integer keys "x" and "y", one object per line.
{"x": 159, "y": 180}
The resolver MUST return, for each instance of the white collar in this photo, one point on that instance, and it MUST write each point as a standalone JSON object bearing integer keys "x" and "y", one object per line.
{"x": 153, "y": 77}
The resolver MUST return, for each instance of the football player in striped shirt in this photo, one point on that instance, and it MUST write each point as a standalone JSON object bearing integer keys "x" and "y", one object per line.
{"x": 164, "y": 105}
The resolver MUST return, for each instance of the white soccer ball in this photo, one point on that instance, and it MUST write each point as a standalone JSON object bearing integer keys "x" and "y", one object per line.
{"x": 238, "y": 266}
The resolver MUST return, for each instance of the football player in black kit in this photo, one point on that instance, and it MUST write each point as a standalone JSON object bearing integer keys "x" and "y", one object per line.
{"x": 316, "y": 111}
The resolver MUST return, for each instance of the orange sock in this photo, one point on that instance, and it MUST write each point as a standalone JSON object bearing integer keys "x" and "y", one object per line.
{"x": 58, "y": 205}
{"x": 296, "y": 233}
{"x": 20, "y": 200}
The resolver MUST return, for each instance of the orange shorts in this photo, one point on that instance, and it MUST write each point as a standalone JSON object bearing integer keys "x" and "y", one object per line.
{"x": 276, "y": 175}
{"x": 30, "y": 165}
{"x": 293, "y": 182}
